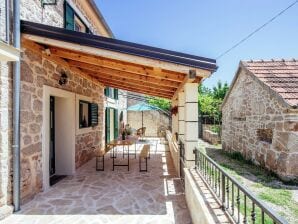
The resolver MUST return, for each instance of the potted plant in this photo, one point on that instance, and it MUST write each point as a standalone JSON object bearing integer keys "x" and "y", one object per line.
{"x": 174, "y": 110}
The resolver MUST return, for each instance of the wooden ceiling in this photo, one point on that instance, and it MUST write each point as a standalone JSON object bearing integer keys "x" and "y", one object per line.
{"x": 120, "y": 74}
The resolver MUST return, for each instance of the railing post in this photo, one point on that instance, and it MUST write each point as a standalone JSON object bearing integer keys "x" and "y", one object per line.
{"x": 196, "y": 157}
{"x": 223, "y": 191}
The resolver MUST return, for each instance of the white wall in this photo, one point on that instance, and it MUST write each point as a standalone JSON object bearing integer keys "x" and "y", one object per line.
{"x": 64, "y": 152}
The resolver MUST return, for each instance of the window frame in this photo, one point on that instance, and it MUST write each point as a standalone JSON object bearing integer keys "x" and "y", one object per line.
{"x": 89, "y": 113}
{"x": 112, "y": 93}
{"x": 85, "y": 130}
{"x": 76, "y": 17}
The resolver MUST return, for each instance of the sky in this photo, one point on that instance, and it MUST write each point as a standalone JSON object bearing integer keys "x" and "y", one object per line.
{"x": 207, "y": 28}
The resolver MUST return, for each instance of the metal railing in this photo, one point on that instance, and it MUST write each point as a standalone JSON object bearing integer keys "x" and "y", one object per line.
{"x": 235, "y": 199}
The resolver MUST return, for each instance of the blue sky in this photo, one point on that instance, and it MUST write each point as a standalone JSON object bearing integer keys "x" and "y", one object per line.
{"x": 207, "y": 28}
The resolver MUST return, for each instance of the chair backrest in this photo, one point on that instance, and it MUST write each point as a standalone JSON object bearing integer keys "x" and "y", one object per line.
{"x": 141, "y": 131}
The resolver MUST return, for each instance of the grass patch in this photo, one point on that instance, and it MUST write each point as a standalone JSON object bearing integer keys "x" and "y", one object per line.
{"x": 276, "y": 196}
{"x": 265, "y": 184}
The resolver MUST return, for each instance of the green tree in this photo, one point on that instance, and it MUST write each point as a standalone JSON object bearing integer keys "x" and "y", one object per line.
{"x": 210, "y": 100}
{"x": 220, "y": 90}
{"x": 161, "y": 103}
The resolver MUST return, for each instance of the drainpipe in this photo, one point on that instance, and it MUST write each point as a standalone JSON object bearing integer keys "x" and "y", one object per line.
{"x": 16, "y": 108}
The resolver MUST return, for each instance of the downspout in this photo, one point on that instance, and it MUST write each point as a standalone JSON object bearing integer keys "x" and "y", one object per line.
{"x": 16, "y": 108}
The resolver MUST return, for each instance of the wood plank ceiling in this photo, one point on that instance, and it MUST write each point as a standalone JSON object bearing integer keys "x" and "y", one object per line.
{"x": 114, "y": 73}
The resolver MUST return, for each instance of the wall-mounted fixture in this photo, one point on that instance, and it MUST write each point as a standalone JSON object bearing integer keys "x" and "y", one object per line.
{"x": 192, "y": 74}
{"x": 48, "y": 2}
{"x": 63, "y": 79}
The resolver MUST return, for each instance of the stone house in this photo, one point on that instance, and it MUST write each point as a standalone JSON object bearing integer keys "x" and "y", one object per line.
{"x": 39, "y": 75}
{"x": 68, "y": 80}
{"x": 260, "y": 115}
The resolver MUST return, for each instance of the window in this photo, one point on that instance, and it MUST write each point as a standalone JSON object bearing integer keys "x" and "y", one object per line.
{"x": 79, "y": 25}
{"x": 111, "y": 93}
{"x": 88, "y": 114}
{"x": 72, "y": 21}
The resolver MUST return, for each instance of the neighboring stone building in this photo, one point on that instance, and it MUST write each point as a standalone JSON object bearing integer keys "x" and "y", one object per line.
{"x": 260, "y": 115}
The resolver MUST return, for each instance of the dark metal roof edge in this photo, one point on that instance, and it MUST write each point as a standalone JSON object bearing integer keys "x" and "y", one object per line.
{"x": 118, "y": 45}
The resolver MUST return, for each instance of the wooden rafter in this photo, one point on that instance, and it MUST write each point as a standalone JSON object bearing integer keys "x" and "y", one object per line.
{"x": 135, "y": 77}
{"x": 142, "y": 84}
{"x": 124, "y": 81}
{"x": 41, "y": 50}
{"x": 117, "y": 65}
{"x": 134, "y": 88}
{"x": 113, "y": 73}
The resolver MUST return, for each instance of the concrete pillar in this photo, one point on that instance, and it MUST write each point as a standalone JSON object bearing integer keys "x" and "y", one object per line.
{"x": 181, "y": 128}
{"x": 190, "y": 122}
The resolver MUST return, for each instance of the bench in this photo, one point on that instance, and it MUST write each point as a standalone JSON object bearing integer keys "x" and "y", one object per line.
{"x": 145, "y": 153}
{"x": 101, "y": 155}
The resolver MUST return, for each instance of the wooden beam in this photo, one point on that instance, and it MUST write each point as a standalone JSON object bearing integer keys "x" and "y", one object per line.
{"x": 117, "y": 65}
{"x": 117, "y": 55}
{"x": 133, "y": 89}
{"x": 132, "y": 85}
{"x": 132, "y": 76}
{"x": 123, "y": 79}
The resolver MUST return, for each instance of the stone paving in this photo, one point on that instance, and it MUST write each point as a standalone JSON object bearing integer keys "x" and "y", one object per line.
{"x": 108, "y": 196}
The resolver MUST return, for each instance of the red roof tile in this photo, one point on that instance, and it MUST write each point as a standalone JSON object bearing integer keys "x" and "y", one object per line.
{"x": 279, "y": 75}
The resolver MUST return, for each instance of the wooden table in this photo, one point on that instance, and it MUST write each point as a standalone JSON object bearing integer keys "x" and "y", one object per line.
{"x": 118, "y": 142}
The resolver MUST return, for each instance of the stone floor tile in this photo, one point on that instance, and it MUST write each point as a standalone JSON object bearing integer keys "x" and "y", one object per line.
{"x": 118, "y": 196}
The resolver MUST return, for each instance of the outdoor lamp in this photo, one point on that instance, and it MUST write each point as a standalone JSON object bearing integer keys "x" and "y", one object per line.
{"x": 63, "y": 79}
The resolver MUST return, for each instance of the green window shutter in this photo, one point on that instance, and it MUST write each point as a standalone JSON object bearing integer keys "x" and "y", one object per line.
{"x": 107, "y": 91}
{"x": 116, "y": 94}
{"x": 69, "y": 17}
{"x": 116, "y": 128}
{"x": 94, "y": 114}
{"x": 107, "y": 128}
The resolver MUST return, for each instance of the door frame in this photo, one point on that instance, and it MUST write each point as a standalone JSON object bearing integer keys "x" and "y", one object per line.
{"x": 47, "y": 92}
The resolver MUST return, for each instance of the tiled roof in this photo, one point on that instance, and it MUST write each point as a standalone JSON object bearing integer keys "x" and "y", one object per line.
{"x": 279, "y": 75}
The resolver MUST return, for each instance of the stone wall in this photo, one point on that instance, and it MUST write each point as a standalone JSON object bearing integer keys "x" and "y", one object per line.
{"x": 211, "y": 137}
{"x": 250, "y": 110}
{"x": 152, "y": 120}
{"x": 53, "y": 15}
{"x": 5, "y": 124}
{"x": 37, "y": 72}
{"x": 5, "y": 138}
{"x": 2, "y": 20}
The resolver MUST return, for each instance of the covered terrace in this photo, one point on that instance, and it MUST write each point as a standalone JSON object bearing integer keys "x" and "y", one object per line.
{"x": 137, "y": 68}
{"x": 129, "y": 66}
